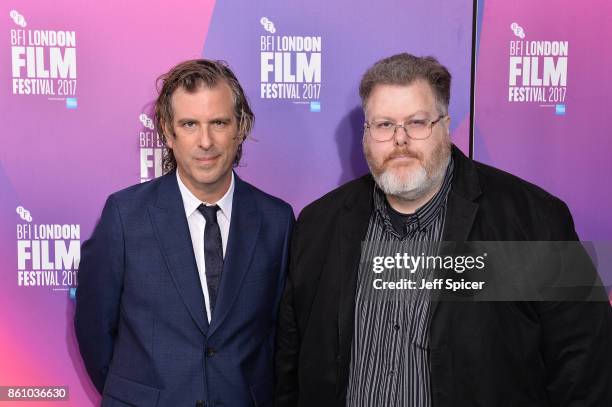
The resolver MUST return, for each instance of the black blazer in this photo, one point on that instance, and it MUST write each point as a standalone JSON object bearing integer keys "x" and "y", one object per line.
{"x": 482, "y": 353}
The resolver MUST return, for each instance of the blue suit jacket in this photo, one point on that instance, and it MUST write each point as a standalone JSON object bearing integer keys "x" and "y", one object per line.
{"x": 140, "y": 317}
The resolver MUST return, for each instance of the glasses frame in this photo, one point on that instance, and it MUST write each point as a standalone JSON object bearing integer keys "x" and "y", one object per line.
{"x": 432, "y": 123}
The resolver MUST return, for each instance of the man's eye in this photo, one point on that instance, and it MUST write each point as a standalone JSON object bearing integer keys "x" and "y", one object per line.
{"x": 384, "y": 125}
{"x": 219, "y": 124}
{"x": 416, "y": 124}
{"x": 189, "y": 125}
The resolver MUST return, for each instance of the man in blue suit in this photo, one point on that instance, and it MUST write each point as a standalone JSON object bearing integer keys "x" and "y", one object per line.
{"x": 180, "y": 282}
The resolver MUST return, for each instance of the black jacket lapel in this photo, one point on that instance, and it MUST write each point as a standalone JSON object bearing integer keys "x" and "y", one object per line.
{"x": 353, "y": 224}
{"x": 461, "y": 207}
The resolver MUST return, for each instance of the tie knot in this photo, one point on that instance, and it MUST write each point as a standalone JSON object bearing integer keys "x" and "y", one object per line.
{"x": 209, "y": 212}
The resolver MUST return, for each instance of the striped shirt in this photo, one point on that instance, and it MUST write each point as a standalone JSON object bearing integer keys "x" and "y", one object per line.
{"x": 390, "y": 348}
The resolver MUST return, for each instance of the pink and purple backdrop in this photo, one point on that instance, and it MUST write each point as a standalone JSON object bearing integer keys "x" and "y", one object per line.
{"x": 568, "y": 153}
{"x": 60, "y": 163}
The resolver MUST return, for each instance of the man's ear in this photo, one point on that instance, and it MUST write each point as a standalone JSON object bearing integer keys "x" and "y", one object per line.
{"x": 447, "y": 123}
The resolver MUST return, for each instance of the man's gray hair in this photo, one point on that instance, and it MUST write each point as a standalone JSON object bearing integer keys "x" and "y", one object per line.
{"x": 403, "y": 69}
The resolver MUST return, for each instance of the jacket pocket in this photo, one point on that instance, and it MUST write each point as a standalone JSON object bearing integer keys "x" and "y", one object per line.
{"x": 130, "y": 392}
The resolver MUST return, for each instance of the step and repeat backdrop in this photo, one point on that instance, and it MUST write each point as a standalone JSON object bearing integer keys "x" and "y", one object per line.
{"x": 543, "y": 99}
{"x": 78, "y": 80}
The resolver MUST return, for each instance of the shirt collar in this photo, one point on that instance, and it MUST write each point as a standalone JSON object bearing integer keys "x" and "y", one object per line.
{"x": 191, "y": 202}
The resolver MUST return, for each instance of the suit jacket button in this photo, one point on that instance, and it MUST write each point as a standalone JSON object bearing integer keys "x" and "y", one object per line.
{"x": 210, "y": 352}
{"x": 200, "y": 403}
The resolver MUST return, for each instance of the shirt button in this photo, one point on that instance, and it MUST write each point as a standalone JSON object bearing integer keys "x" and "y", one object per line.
{"x": 396, "y": 327}
{"x": 391, "y": 373}
{"x": 210, "y": 352}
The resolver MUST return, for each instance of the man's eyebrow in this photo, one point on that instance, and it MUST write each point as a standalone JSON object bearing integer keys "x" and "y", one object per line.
{"x": 420, "y": 112}
{"x": 186, "y": 120}
{"x": 382, "y": 117}
{"x": 226, "y": 119}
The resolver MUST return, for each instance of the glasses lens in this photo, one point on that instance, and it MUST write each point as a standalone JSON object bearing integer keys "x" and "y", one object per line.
{"x": 382, "y": 130}
{"x": 418, "y": 129}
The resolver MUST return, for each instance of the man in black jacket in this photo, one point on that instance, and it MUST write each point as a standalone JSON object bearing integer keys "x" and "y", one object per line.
{"x": 341, "y": 343}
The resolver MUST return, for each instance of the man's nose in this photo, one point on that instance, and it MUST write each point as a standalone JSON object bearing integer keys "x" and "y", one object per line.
{"x": 401, "y": 135}
{"x": 205, "y": 138}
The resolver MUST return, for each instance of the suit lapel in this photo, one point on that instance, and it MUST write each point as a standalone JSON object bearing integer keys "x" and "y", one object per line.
{"x": 353, "y": 224}
{"x": 172, "y": 231}
{"x": 244, "y": 228}
{"x": 461, "y": 208}
{"x": 460, "y": 215}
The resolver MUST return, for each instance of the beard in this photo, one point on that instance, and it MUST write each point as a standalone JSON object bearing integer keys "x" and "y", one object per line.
{"x": 411, "y": 184}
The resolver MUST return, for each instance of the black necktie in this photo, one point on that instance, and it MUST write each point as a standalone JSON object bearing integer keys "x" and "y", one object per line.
{"x": 213, "y": 252}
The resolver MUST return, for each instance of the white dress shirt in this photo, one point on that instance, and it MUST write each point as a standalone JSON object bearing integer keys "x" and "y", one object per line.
{"x": 197, "y": 223}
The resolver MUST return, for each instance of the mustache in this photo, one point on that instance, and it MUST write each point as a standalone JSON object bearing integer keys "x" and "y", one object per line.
{"x": 403, "y": 153}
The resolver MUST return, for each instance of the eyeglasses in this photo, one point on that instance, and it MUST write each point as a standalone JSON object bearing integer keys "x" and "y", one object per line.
{"x": 384, "y": 130}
